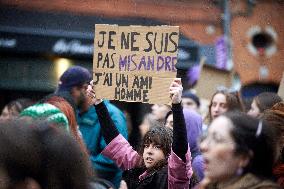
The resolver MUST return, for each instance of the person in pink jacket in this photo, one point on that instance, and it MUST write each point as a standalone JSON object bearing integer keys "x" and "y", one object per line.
{"x": 164, "y": 159}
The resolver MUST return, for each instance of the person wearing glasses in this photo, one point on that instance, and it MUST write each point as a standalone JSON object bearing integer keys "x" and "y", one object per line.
{"x": 238, "y": 152}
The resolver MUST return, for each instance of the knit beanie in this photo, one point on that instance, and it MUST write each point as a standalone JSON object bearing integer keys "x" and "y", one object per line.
{"x": 74, "y": 76}
{"x": 49, "y": 112}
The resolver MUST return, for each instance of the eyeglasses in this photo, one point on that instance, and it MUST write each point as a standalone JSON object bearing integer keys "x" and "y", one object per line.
{"x": 213, "y": 139}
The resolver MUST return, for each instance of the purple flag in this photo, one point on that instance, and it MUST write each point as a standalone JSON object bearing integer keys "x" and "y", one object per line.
{"x": 221, "y": 53}
{"x": 193, "y": 74}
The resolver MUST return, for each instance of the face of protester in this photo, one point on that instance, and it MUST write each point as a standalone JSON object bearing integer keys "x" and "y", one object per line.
{"x": 170, "y": 121}
{"x": 254, "y": 110}
{"x": 79, "y": 94}
{"x": 219, "y": 105}
{"x": 7, "y": 114}
{"x": 160, "y": 111}
{"x": 189, "y": 103}
{"x": 218, "y": 149}
{"x": 152, "y": 154}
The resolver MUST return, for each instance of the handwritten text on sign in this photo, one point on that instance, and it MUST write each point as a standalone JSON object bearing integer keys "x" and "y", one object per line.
{"x": 135, "y": 63}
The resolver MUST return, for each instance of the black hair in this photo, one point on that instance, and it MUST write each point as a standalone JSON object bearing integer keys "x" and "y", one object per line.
{"x": 40, "y": 151}
{"x": 195, "y": 98}
{"x": 266, "y": 100}
{"x": 253, "y": 138}
{"x": 19, "y": 104}
{"x": 159, "y": 135}
{"x": 167, "y": 115}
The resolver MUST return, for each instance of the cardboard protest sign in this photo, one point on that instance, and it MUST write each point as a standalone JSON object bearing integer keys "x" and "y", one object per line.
{"x": 281, "y": 87}
{"x": 135, "y": 63}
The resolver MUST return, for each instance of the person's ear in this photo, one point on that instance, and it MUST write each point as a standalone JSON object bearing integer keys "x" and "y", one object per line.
{"x": 245, "y": 159}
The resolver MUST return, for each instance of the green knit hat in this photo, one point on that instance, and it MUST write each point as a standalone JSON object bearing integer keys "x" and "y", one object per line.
{"x": 49, "y": 112}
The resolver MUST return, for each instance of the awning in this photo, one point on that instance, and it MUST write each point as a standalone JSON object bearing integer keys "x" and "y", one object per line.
{"x": 50, "y": 33}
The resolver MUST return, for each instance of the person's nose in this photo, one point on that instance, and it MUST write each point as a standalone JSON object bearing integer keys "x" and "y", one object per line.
{"x": 149, "y": 150}
{"x": 204, "y": 145}
{"x": 216, "y": 108}
{"x": 250, "y": 112}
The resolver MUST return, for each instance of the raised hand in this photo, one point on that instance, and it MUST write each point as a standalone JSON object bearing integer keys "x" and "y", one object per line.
{"x": 123, "y": 185}
{"x": 176, "y": 91}
{"x": 92, "y": 94}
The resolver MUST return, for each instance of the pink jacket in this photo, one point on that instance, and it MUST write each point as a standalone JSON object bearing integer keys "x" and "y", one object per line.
{"x": 179, "y": 172}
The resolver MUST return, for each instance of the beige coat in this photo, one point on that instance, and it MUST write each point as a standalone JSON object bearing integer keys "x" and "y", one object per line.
{"x": 248, "y": 181}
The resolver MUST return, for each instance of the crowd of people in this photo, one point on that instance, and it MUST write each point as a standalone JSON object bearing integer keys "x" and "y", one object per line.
{"x": 71, "y": 139}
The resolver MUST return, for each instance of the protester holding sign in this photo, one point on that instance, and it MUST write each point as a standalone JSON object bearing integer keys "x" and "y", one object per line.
{"x": 91, "y": 130}
{"x": 164, "y": 160}
{"x": 73, "y": 84}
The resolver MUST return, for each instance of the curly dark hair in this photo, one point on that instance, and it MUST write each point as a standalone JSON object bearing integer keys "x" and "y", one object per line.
{"x": 159, "y": 135}
{"x": 162, "y": 136}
